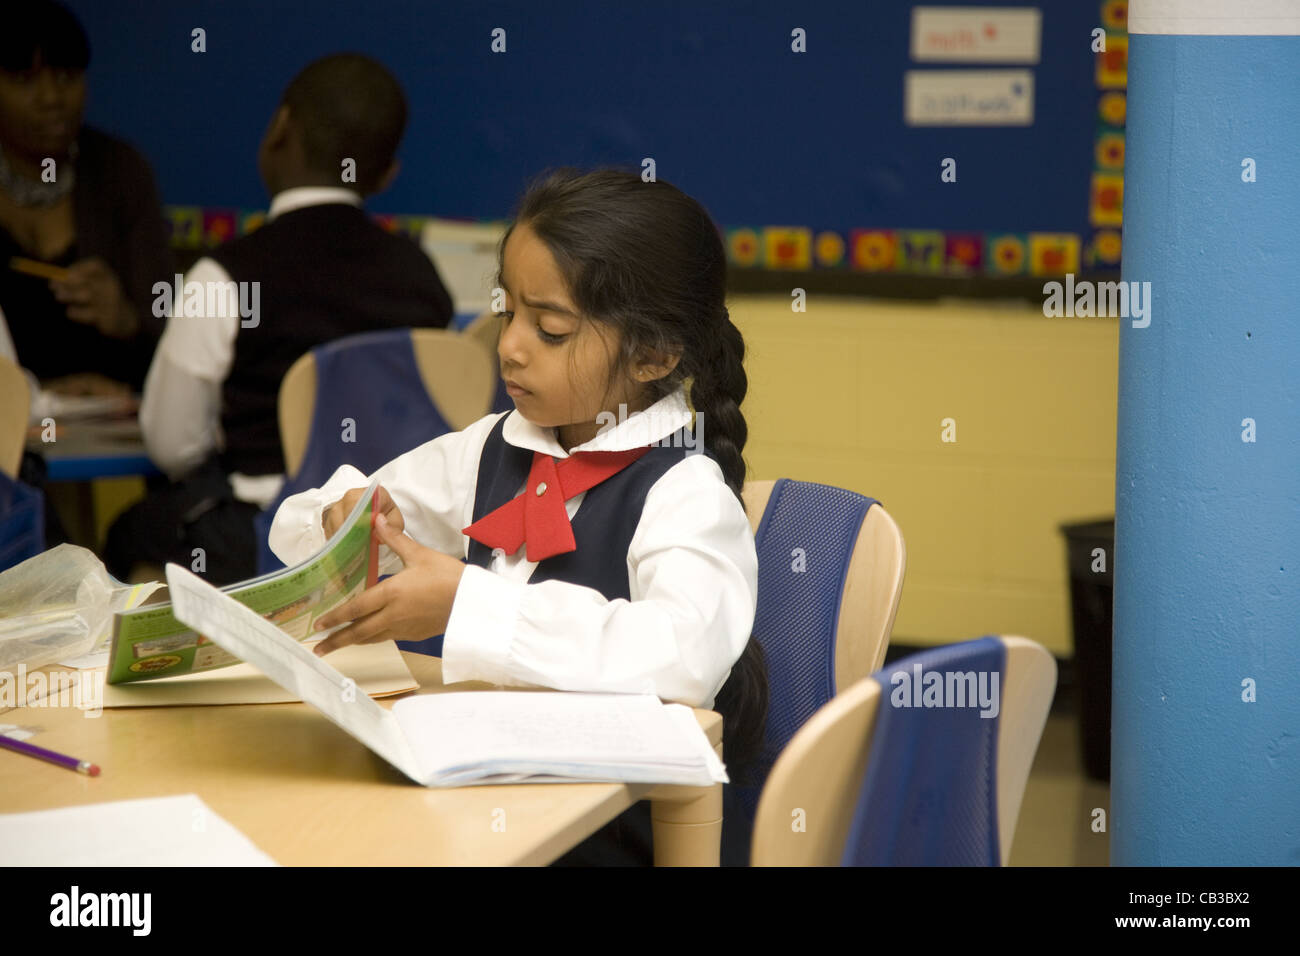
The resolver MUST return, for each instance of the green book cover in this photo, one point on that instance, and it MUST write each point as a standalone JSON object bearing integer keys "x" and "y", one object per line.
{"x": 149, "y": 642}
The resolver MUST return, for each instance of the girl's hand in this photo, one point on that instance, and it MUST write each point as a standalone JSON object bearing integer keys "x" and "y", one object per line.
{"x": 334, "y": 516}
{"x": 412, "y": 605}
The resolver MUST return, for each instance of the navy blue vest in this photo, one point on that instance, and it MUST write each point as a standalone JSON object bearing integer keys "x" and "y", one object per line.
{"x": 602, "y": 529}
{"x": 604, "y": 524}
{"x": 326, "y": 271}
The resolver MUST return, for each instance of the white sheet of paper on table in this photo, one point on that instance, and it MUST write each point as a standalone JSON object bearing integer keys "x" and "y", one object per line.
{"x": 158, "y": 831}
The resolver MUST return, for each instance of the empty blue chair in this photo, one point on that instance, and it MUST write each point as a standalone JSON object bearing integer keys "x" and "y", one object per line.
{"x": 924, "y": 763}
{"x": 501, "y": 401}
{"x": 369, "y": 402}
{"x": 486, "y": 330}
{"x": 462, "y": 320}
{"x": 929, "y": 797}
{"x": 814, "y": 541}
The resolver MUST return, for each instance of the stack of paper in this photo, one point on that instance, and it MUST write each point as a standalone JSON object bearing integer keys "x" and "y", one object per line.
{"x": 509, "y": 737}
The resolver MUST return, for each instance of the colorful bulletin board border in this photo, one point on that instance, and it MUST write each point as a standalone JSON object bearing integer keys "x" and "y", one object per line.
{"x": 198, "y": 227}
{"x": 916, "y": 252}
{"x": 1106, "y": 203}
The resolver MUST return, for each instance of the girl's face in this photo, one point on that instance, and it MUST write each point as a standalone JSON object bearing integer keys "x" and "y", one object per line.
{"x": 555, "y": 362}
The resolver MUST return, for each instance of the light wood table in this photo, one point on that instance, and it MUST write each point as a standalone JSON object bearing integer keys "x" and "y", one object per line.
{"x": 308, "y": 794}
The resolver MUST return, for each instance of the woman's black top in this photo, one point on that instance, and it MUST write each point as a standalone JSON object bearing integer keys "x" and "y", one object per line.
{"x": 118, "y": 218}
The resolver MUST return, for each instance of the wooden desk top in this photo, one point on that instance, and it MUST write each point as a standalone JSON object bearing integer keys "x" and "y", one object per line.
{"x": 304, "y": 791}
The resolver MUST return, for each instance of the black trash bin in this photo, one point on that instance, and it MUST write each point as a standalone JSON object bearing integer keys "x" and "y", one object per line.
{"x": 1092, "y": 599}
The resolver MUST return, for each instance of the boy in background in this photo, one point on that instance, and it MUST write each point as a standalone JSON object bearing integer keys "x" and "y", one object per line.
{"x": 319, "y": 269}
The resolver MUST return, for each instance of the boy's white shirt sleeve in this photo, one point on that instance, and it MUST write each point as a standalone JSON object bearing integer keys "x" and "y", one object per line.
{"x": 693, "y": 577}
{"x": 432, "y": 485}
{"x": 180, "y": 412}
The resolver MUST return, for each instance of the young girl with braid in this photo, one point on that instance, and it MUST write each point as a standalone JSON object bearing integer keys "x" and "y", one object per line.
{"x": 636, "y": 570}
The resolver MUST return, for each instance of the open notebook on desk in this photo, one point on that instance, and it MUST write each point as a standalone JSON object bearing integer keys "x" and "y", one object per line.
{"x": 476, "y": 737}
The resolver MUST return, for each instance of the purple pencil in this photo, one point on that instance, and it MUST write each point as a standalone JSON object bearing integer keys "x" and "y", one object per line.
{"x": 40, "y": 753}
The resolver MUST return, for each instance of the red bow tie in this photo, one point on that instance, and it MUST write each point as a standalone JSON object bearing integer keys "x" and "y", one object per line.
{"x": 537, "y": 516}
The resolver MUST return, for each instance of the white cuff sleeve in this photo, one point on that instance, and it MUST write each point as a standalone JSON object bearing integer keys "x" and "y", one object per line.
{"x": 296, "y": 532}
{"x": 481, "y": 628}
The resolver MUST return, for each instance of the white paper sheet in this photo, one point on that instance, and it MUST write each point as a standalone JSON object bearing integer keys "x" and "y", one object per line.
{"x": 976, "y": 34}
{"x": 968, "y": 97}
{"x": 159, "y": 831}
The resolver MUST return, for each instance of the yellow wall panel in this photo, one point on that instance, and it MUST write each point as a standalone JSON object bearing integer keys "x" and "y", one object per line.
{"x": 853, "y": 393}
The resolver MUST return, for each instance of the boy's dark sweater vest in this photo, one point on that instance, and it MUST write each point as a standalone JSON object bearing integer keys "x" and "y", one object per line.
{"x": 325, "y": 271}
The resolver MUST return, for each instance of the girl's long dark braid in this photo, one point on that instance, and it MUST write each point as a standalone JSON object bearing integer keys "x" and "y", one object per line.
{"x": 718, "y": 386}
{"x": 646, "y": 259}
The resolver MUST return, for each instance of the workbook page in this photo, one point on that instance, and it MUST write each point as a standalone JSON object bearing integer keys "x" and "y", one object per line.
{"x": 469, "y": 736}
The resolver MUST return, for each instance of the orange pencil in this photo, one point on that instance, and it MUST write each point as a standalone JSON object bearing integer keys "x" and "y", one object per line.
{"x": 40, "y": 269}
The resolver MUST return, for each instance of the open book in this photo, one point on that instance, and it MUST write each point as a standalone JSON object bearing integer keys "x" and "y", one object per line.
{"x": 150, "y": 642}
{"x": 471, "y": 737}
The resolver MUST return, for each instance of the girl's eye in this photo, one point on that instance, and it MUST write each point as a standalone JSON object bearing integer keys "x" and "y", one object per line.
{"x": 548, "y": 337}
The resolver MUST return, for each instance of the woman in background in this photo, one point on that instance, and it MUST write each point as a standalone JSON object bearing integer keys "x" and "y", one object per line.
{"x": 76, "y": 200}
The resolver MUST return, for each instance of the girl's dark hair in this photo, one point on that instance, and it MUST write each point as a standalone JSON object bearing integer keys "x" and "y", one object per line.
{"x": 44, "y": 30}
{"x": 645, "y": 259}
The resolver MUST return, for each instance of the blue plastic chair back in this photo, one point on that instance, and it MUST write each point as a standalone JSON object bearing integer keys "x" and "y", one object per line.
{"x": 373, "y": 380}
{"x": 805, "y": 542}
{"x": 501, "y": 401}
{"x": 462, "y": 320}
{"x": 22, "y": 522}
{"x": 929, "y": 796}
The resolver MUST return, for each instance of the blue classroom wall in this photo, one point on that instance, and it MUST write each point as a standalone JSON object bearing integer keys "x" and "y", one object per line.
{"x": 713, "y": 92}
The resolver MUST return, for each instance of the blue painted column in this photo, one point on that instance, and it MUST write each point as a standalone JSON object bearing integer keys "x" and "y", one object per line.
{"x": 1207, "y": 562}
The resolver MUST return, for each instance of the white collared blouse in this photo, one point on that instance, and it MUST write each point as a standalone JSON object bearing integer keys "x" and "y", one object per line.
{"x": 692, "y": 568}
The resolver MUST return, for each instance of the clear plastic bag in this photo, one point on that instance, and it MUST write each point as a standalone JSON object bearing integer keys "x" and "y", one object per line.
{"x": 54, "y": 606}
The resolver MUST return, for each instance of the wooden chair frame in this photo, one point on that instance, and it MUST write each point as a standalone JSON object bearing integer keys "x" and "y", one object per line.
{"x": 15, "y": 404}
